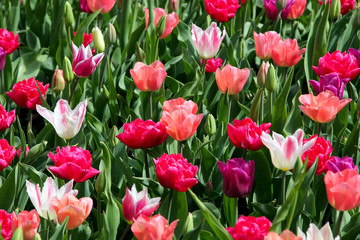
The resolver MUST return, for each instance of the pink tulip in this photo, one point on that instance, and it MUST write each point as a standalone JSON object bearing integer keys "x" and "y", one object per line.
{"x": 84, "y": 63}
{"x": 7, "y": 154}
{"x": 6, "y": 118}
{"x": 285, "y": 235}
{"x": 148, "y": 77}
{"x": 297, "y": 9}
{"x": 104, "y": 5}
{"x": 28, "y": 221}
{"x": 5, "y": 225}
{"x": 138, "y": 203}
{"x": 222, "y": 10}
{"x": 212, "y": 64}
{"x": 231, "y": 79}
{"x": 264, "y": 43}
{"x": 287, "y": 53}
{"x": 171, "y": 20}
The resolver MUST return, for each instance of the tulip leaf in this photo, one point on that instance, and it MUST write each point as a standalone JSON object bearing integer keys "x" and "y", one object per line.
{"x": 43, "y": 102}
{"x": 347, "y": 37}
{"x": 207, "y": 165}
{"x": 194, "y": 234}
{"x": 352, "y": 142}
{"x": 18, "y": 234}
{"x": 230, "y": 209}
{"x": 352, "y": 229}
{"x": 7, "y": 189}
{"x": 60, "y": 230}
{"x": 84, "y": 25}
{"x": 36, "y": 176}
{"x": 22, "y": 139}
{"x": 224, "y": 106}
{"x": 255, "y": 106}
{"x": 294, "y": 120}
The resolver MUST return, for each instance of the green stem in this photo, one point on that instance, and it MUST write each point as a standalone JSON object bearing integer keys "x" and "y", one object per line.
{"x": 104, "y": 66}
{"x": 99, "y": 211}
{"x": 69, "y": 32}
{"x": 150, "y": 104}
{"x": 229, "y": 111}
{"x": 30, "y": 119}
{"x": 338, "y": 224}
{"x": 261, "y": 106}
{"x": 180, "y": 147}
{"x": 73, "y": 89}
{"x": 156, "y": 53}
{"x": 147, "y": 171}
{"x": 319, "y": 130}
{"x": 283, "y": 185}
{"x": 125, "y": 232}
{"x": 170, "y": 204}
{"x": 271, "y": 105}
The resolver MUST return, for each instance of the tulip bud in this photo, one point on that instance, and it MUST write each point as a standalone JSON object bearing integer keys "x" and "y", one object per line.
{"x": 100, "y": 183}
{"x": 37, "y": 237}
{"x": 111, "y": 34}
{"x": 67, "y": 70}
{"x": 160, "y": 28}
{"x": 270, "y": 82}
{"x": 356, "y": 20}
{"x": 210, "y": 125}
{"x": 173, "y": 4}
{"x": 113, "y": 141}
{"x": 68, "y": 14}
{"x": 335, "y": 9}
{"x": 261, "y": 76}
{"x": 189, "y": 224}
{"x": 98, "y": 39}
{"x": 140, "y": 53}
{"x": 281, "y": 4}
{"x": 58, "y": 81}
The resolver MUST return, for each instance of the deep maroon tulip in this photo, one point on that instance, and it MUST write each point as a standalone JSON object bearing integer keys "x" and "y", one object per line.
{"x": 336, "y": 164}
{"x": 331, "y": 82}
{"x": 238, "y": 177}
{"x": 143, "y": 134}
{"x": 246, "y": 134}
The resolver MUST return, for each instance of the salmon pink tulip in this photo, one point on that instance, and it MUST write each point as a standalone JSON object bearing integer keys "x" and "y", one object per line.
{"x": 148, "y": 77}
{"x": 287, "y": 53}
{"x": 220, "y": 10}
{"x": 153, "y": 228}
{"x": 104, "y": 5}
{"x": 254, "y": 228}
{"x": 343, "y": 189}
{"x": 264, "y": 43}
{"x": 285, "y": 235}
{"x": 231, "y": 79}
{"x": 297, "y": 9}
{"x": 171, "y": 20}
{"x": 6, "y": 118}
{"x": 323, "y": 107}
{"x": 336, "y": 164}
{"x": 272, "y": 11}
{"x": 8, "y": 41}
{"x": 76, "y": 209}
{"x": 212, "y": 64}
{"x": 7, "y": 154}
{"x": 28, "y": 221}
{"x": 5, "y": 225}
{"x": 84, "y": 63}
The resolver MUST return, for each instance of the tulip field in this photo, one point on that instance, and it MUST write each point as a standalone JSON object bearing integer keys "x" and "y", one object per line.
{"x": 184, "y": 120}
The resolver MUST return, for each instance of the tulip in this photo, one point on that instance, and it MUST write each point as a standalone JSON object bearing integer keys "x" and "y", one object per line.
{"x": 323, "y": 107}
{"x": 287, "y": 53}
{"x": 342, "y": 63}
{"x": 28, "y": 221}
{"x": 173, "y": 171}
{"x": 212, "y": 64}
{"x": 143, "y": 134}
{"x": 58, "y": 81}
{"x": 6, "y": 118}
{"x": 180, "y": 119}
{"x": 154, "y": 228}
{"x": 98, "y": 39}
{"x": 272, "y": 11}
{"x": 313, "y": 233}
{"x": 84, "y": 63}
{"x": 5, "y": 225}
{"x": 76, "y": 209}
{"x": 84, "y": 6}
{"x": 238, "y": 177}
{"x": 2, "y": 59}
{"x": 335, "y": 10}
{"x": 210, "y": 125}
{"x": 321, "y": 151}
{"x": 264, "y": 43}
{"x": 67, "y": 122}
{"x": 8, "y": 41}
{"x": 67, "y": 70}
{"x": 231, "y": 79}
{"x": 72, "y": 163}
{"x": 346, "y": 5}
{"x": 343, "y": 189}
{"x": 41, "y": 199}
{"x": 104, "y": 5}
{"x": 285, "y": 151}
{"x": 111, "y": 34}
{"x": 87, "y": 39}
{"x": 222, "y": 11}
{"x": 7, "y": 154}
{"x": 336, "y": 164}
{"x": 172, "y": 20}
{"x": 25, "y": 93}
{"x": 331, "y": 82}
{"x": 148, "y": 77}
{"x": 18, "y": 152}
{"x": 138, "y": 203}
{"x": 356, "y": 54}
{"x": 174, "y": 4}
{"x": 246, "y": 134}
{"x": 250, "y": 228}
{"x": 261, "y": 76}
{"x": 285, "y": 235}
{"x": 207, "y": 43}
{"x": 271, "y": 79}
{"x": 297, "y": 9}
{"x": 68, "y": 14}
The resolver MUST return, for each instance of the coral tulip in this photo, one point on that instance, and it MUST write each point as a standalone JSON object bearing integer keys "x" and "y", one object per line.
{"x": 231, "y": 79}
{"x": 323, "y": 107}
{"x": 8, "y": 41}
{"x": 148, "y": 77}
{"x": 272, "y": 11}
{"x": 285, "y": 151}
{"x": 143, "y": 134}
{"x": 212, "y": 64}
{"x": 287, "y": 53}
{"x": 207, "y": 43}
{"x": 7, "y": 154}
{"x": 220, "y": 10}
{"x": 250, "y": 228}
{"x": 5, "y": 225}
{"x": 154, "y": 228}
{"x": 26, "y": 95}
{"x": 331, "y": 82}
{"x": 72, "y": 163}
{"x": 6, "y": 118}
{"x": 297, "y": 9}
{"x": 76, "y": 209}
{"x": 336, "y": 164}
{"x": 84, "y": 63}
{"x": 246, "y": 134}
{"x": 28, "y": 221}
{"x": 180, "y": 119}
{"x": 171, "y": 21}
{"x": 343, "y": 189}
{"x": 238, "y": 177}
{"x": 173, "y": 171}
{"x": 285, "y": 235}
{"x": 264, "y": 43}
{"x": 104, "y": 5}
{"x": 67, "y": 122}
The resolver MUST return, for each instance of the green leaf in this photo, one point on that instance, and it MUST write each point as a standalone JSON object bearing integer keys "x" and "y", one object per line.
{"x": 60, "y": 230}
{"x": 18, "y": 234}
{"x": 36, "y": 176}
{"x": 194, "y": 234}
{"x": 83, "y": 27}
{"x": 8, "y": 189}
{"x": 230, "y": 209}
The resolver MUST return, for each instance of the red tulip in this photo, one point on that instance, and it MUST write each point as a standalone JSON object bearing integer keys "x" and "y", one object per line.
{"x": 173, "y": 171}
{"x": 7, "y": 154}
{"x": 8, "y": 41}
{"x": 26, "y": 95}
{"x": 343, "y": 189}
{"x": 231, "y": 79}
{"x": 250, "y": 228}
{"x": 346, "y": 5}
{"x": 172, "y": 20}
{"x": 264, "y": 43}
{"x": 212, "y": 64}
{"x": 287, "y": 53}
{"x": 72, "y": 163}
{"x": 297, "y": 9}
{"x": 6, "y": 225}
{"x": 220, "y": 10}
{"x": 148, "y": 77}
{"x": 28, "y": 221}
{"x": 6, "y": 118}
{"x": 104, "y": 5}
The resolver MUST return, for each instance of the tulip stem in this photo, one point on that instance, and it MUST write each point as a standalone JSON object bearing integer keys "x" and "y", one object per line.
{"x": 283, "y": 185}
{"x": 261, "y": 106}
{"x": 180, "y": 147}
{"x": 271, "y": 105}
{"x": 319, "y": 130}
{"x": 146, "y": 161}
{"x": 338, "y": 224}
{"x": 229, "y": 111}
{"x": 30, "y": 120}
{"x": 150, "y": 105}
{"x": 73, "y": 88}
{"x": 125, "y": 232}
{"x": 99, "y": 211}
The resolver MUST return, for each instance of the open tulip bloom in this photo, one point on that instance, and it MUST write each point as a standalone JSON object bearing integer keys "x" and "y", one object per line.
{"x": 84, "y": 63}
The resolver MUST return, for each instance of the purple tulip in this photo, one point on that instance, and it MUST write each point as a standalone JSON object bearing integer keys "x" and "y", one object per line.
{"x": 2, "y": 59}
{"x": 356, "y": 54}
{"x": 238, "y": 177}
{"x": 336, "y": 164}
{"x": 272, "y": 12}
{"x": 84, "y": 63}
{"x": 332, "y": 82}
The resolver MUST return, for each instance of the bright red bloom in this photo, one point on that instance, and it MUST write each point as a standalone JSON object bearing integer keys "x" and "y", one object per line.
{"x": 5, "y": 224}
{"x": 143, "y": 134}
{"x": 246, "y": 134}
{"x": 8, "y": 41}
{"x": 72, "y": 163}
{"x": 345, "y": 64}
{"x": 6, "y": 118}
{"x": 173, "y": 171}
{"x": 28, "y": 221}
{"x": 222, "y": 10}
{"x": 346, "y": 5}
{"x": 26, "y": 95}
{"x": 322, "y": 150}
{"x": 250, "y": 228}
{"x": 212, "y": 64}
{"x": 7, "y": 154}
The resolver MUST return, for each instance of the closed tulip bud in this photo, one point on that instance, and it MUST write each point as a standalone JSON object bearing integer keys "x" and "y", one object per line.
{"x": 68, "y": 14}
{"x": 67, "y": 70}
{"x": 100, "y": 183}
{"x": 112, "y": 139}
{"x": 140, "y": 53}
{"x": 270, "y": 82}
{"x": 189, "y": 224}
{"x": 210, "y": 125}
{"x": 111, "y": 34}
{"x": 98, "y": 39}
{"x": 261, "y": 76}
{"x": 161, "y": 26}
{"x": 280, "y": 4}
{"x": 335, "y": 9}
{"x": 37, "y": 237}
{"x": 58, "y": 81}
{"x": 174, "y": 4}
{"x": 356, "y": 20}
